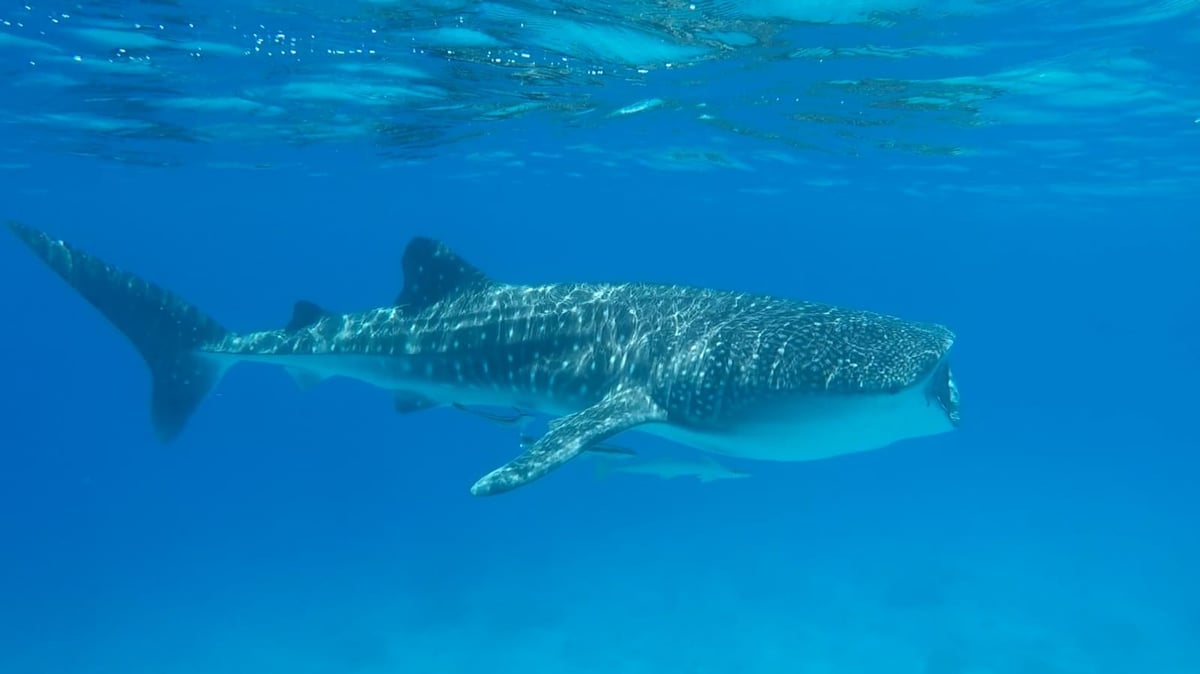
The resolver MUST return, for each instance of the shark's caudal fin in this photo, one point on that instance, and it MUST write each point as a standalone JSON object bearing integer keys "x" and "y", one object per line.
{"x": 164, "y": 328}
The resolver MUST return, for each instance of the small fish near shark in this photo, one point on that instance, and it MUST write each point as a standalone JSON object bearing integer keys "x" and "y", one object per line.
{"x": 703, "y": 468}
{"x": 518, "y": 418}
{"x": 735, "y": 374}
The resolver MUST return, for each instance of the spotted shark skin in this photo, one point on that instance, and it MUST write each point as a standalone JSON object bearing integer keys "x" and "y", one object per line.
{"x": 732, "y": 373}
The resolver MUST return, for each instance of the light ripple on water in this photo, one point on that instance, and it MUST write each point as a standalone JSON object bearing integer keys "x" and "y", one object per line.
{"x": 817, "y": 78}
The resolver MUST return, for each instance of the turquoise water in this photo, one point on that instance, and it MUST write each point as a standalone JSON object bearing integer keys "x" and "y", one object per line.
{"x": 1023, "y": 172}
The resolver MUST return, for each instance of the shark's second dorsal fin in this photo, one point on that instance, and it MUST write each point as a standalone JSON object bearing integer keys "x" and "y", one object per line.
{"x": 433, "y": 272}
{"x": 305, "y": 314}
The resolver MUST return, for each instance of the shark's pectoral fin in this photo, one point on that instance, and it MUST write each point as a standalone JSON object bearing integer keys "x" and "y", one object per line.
{"x": 407, "y": 402}
{"x": 569, "y": 436}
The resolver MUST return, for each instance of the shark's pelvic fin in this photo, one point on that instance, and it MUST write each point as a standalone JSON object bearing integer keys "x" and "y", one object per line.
{"x": 569, "y": 436}
{"x": 165, "y": 329}
{"x": 433, "y": 272}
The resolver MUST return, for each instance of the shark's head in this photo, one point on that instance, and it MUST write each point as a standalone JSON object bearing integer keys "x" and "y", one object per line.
{"x": 942, "y": 391}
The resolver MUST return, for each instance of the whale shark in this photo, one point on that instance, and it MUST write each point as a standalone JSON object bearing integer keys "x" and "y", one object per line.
{"x": 730, "y": 373}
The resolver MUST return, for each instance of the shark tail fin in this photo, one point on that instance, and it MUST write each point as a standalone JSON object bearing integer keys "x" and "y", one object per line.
{"x": 165, "y": 329}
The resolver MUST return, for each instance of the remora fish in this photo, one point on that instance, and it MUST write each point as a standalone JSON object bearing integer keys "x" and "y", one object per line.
{"x": 517, "y": 418}
{"x": 704, "y": 468}
{"x": 743, "y": 375}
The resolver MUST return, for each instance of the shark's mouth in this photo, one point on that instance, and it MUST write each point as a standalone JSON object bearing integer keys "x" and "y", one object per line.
{"x": 943, "y": 391}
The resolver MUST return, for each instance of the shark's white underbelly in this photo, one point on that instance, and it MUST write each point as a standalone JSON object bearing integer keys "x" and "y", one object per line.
{"x": 818, "y": 427}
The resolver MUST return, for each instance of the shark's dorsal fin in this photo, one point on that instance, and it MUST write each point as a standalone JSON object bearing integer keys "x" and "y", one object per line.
{"x": 433, "y": 272}
{"x": 305, "y": 314}
{"x": 569, "y": 436}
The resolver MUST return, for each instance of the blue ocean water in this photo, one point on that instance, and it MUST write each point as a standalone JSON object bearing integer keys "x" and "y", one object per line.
{"x": 1023, "y": 172}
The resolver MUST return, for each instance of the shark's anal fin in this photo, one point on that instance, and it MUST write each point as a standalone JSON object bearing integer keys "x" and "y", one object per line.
{"x": 407, "y": 402}
{"x": 569, "y": 436}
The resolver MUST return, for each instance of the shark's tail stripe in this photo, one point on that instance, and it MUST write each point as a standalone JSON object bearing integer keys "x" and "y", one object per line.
{"x": 164, "y": 328}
